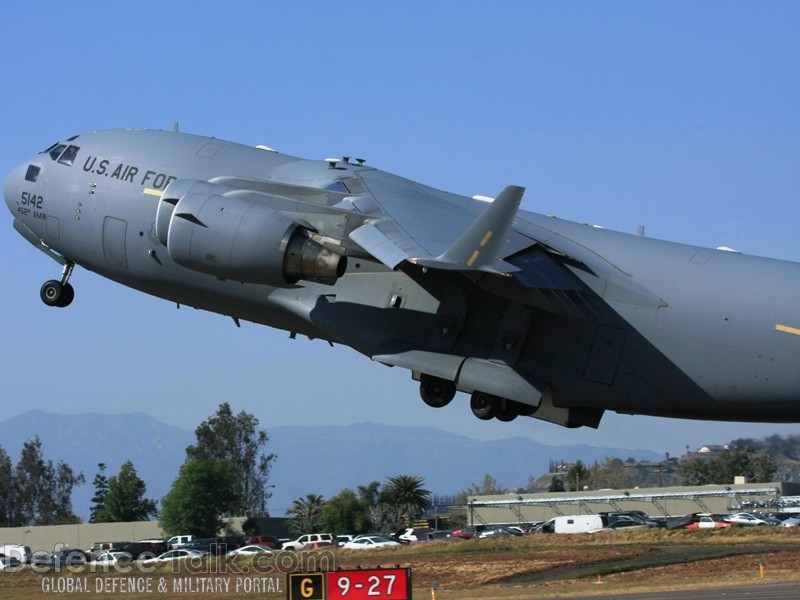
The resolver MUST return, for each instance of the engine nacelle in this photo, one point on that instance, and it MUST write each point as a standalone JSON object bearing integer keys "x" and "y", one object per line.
{"x": 170, "y": 198}
{"x": 240, "y": 240}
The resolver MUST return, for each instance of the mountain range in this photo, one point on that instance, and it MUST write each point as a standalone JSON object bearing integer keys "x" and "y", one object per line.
{"x": 310, "y": 459}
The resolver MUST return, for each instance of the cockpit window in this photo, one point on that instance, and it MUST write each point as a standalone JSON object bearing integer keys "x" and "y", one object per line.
{"x": 62, "y": 153}
{"x": 68, "y": 157}
{"x": 55, "y": 151}
{"x": 32, "y": 174}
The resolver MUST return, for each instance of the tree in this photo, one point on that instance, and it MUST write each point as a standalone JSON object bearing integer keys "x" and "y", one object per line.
{"x": 305, "y": 514}
{"x": 556, "y": 484}
{"x": 7, "y": 495}
{"x": 370, "y": 494}
{"x": 43, "y": 492}
{"x": 100, "y": 483}
{"x": 489, "y": 487}
{"x": 757, "y": 467}
{"x": 380, "y": 516}
{"x": 203, "y": 491}
{"x": 610, "y": 474}
{"x": 65, "y": 480}
{"x": 124, "y": 500}
{"x": 405, "y": 493}
{"x": 345, "y": 513}
{"x": 237, "y": 440}
{"x": 577, "y": 476}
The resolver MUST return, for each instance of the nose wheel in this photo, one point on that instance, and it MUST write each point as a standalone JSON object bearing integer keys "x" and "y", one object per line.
{"x": 59, "y": 293}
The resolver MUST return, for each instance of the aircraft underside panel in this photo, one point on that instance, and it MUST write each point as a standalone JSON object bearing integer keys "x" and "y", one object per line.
{"x": 605, "y": 355}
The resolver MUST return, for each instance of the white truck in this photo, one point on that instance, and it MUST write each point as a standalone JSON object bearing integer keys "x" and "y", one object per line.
{"x": 310, "y": 541}
{"x": 575, "y": 524}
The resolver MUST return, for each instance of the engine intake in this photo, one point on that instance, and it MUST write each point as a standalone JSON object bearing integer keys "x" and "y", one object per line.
{"x": 238, "y": 239}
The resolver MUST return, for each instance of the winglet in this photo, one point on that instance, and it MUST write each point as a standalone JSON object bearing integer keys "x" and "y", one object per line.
{"x": 478, "y": 247}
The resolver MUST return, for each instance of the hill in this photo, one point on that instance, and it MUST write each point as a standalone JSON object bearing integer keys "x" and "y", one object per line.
{"x": 318, "y": 459}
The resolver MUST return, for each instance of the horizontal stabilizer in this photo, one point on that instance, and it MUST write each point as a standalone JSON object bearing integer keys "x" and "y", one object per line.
{"x": 479, "y": 246}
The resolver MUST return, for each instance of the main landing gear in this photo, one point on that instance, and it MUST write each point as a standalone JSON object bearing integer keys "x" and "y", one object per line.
{"x": 437, "y": 392}
{"x": 59, "y": 293}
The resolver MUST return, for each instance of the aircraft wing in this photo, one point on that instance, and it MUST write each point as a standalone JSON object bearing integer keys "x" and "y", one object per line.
{"x": 431, "y": 228}
{"x": 410, "y": 222}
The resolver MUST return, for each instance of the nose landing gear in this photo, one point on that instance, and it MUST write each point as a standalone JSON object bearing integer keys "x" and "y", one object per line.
{"x": 59, "y": 293}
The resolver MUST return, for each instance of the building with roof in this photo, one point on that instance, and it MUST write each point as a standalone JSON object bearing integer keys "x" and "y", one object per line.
{"x": 521, "y": 509}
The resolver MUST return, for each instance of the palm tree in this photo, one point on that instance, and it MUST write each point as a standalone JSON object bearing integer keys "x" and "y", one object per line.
{"x": 305, "y": 513}
{"x": 405, "y": 492}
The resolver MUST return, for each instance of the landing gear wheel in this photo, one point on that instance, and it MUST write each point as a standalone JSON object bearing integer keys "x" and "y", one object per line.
{"x": 52, "y": 292}
{"x": 483, "y": 405}
{"x": 55, "y": 293}
{"x": 507, "y": 415}
{"x": 436, "y": 392}
{"x": 69, "y": 295}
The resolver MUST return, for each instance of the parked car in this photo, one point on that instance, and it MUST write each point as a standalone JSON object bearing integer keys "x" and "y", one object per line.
{"x": 341, "y": 540}
{"x": 439, "y": 535}
{"x": 99, "y": 547}
{"x": 9, "y": 562}
{"x": 61, "y": 558}
{"x": 177, "y": 554}
{"x": 265, "y": 540}
{"x": 251, "y": 549}
{"x": 575, "y": 524}
{"x": 216, "y": 545}
{"x": 791, "y": 522}
{"x": 179, "y": 541}
{"x": 321, "y": 545}
{"x": 413, "y": 534}
{"x": 19, "y": 551}
{"x": 745, "y": 519}
{"x": 624, "y": 523}
{"x": 710, "y": 521}
{"x": 113, "y": 558}
{"x": 370, "y": 541}
{"x": 466, "y": 533}
{"x": 307, "y": 539}
{"x": 143, "y": 549}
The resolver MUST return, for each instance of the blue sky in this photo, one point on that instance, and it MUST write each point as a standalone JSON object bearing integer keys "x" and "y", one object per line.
{"x": 683, "y": 117}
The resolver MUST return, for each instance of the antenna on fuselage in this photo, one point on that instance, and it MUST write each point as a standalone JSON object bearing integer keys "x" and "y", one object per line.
{"x": 175, "y": 126}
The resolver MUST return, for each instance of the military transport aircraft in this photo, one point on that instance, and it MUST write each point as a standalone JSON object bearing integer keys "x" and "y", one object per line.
{"x": 529, "y": 314}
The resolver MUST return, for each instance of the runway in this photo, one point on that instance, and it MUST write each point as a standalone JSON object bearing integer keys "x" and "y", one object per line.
{"x": 766, "y": 591}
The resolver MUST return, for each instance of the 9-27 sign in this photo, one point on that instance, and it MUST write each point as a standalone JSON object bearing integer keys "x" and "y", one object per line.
{"x": 353, "y": 584}
{"x": 367, "y": 584}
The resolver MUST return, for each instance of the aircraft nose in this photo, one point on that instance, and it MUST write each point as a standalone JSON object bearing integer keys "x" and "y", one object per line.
{"x": 10, "y": 189}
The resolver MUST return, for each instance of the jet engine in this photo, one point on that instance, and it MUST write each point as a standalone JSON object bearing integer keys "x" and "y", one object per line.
{"x": 238, "y": 239}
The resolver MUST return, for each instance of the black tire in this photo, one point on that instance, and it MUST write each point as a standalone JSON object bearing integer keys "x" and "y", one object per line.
{"x": 52, "y": 293}
{"x": 483, "y": 405}
{"x": 68, "y": 296}
{"x": 507, "y": 414}
{"x": 436, "y": 392}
